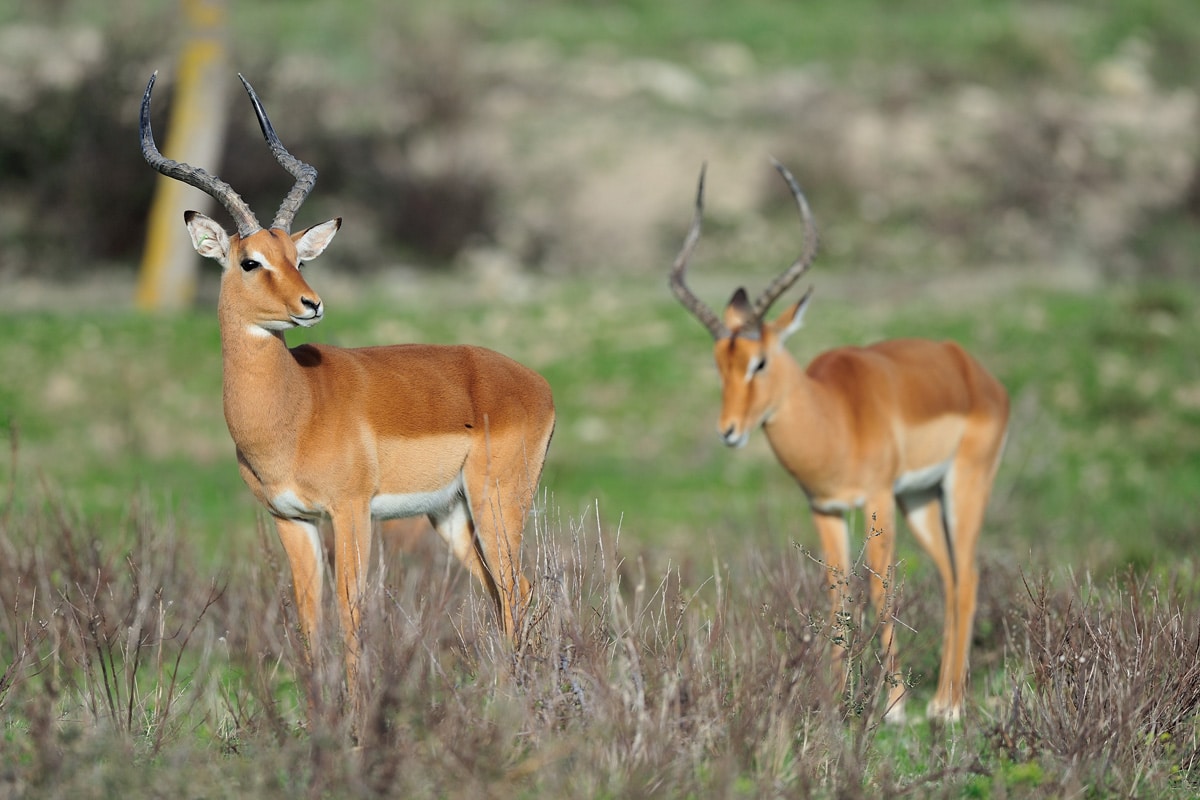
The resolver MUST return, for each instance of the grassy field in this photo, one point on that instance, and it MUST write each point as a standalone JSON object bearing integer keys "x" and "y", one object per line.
{"x": 662, "y": 560}
{"x": 680, "y": 641}
{"x": 1007, "y": 42}
{"x": 113, "y": 406}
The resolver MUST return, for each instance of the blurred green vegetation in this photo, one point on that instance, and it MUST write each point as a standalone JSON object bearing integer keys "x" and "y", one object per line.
{"x": 992, "y": 40}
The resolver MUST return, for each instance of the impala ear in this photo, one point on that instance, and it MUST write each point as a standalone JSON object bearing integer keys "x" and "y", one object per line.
{"x": 311, "y": 242}
{"x": 790, "y": 321}
{"x": 739, "y": 314}
{"x": 208, "y": 236}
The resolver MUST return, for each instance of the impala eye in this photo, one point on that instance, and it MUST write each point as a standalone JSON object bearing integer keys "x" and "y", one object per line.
{"x": 249, "y": 264}
{"x": 755, "y": 366}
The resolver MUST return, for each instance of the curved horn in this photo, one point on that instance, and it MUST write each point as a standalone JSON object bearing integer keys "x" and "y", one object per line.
{"x": 211, "y": 185}
{"x": 801, "y": 264}
{"x": 305, "y": 174}
{"x": 679, "y": 287}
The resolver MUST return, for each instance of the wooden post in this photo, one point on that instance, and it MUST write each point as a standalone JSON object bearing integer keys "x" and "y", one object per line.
{"x": 167, "y": 279}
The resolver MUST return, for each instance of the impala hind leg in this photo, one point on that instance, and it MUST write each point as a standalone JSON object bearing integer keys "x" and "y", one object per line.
{"x": 965, "y": 494}
{"x": 456, "y": 527}
{"x": 475, "y": 546}
{"x": 500, "y": 525}
{"x": 925, "y": 513}
{"x": 501, "y": 491}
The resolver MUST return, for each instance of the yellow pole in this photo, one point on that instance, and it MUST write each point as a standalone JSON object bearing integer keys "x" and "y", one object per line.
{"x": 167, "y": 279}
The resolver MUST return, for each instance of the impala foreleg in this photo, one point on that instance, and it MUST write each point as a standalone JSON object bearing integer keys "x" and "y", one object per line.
{"x": 834, "y": 535}
{"x": 351, "y": 556}
{"x": 302, "y": 542}
{"x": 881, "y": 553}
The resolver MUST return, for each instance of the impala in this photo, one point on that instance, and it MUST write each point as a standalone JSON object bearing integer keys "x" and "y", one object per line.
{"x": 456, "y": 433}
{"x": 907, "y": 422}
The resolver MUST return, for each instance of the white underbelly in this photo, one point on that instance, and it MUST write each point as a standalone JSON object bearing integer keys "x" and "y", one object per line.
{"x": 920, "y": 480}
{"x": 416, "y": 504}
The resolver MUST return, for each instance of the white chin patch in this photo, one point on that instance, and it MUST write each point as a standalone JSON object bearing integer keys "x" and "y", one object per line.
{"x": 736, "y": 441}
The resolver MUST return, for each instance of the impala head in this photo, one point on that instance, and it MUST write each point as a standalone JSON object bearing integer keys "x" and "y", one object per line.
{"x": 261, "y": 284}
{"x": 746, "y": 346}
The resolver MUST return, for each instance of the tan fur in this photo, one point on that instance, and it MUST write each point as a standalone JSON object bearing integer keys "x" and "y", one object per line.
{"x": 323, "y": 433}
{"x": 332, "y": 428}
{"x": 849, "y": 427}
{"x": 907, "y": 422}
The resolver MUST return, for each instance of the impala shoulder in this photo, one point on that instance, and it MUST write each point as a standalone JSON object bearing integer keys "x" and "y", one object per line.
{"x": 840, "y": 363}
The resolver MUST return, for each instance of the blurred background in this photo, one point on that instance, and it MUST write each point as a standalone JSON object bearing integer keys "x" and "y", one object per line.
{"x": 564, "y": 137}
{"x": 1022, "y": 176}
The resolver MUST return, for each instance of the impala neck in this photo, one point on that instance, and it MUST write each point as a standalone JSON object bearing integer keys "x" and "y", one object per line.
{"x": 260, "y": 382}
{"x": 805, "y": 411}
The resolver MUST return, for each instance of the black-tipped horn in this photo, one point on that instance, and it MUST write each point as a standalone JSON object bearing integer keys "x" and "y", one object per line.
{"x": 305, "y": 174}
{"x": 790, "y": 275}
{"x": 211, "y": 185}
{"x": 679, "y": 286}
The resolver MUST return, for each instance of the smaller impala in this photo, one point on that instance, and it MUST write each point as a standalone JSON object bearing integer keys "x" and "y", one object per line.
{"x": 455, "y": 433}
{"x": 908, "y": 421}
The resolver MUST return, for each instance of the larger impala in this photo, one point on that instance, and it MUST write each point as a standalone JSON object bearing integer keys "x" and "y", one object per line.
{"x": 908, "y": 421}
{"x": 457, "y": 433}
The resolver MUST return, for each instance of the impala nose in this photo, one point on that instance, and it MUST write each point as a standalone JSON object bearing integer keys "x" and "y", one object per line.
{"x": 314, "y": 308}
{"x": 729, "y": 435}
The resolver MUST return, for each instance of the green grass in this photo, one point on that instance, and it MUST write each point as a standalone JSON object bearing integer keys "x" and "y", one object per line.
{"x": 127, "y": 668}
{"x": 992, "y": 41}
{"x": 1100, "y": 461}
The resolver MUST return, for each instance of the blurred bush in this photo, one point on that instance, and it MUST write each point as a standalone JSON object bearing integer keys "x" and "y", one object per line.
{"x": 966, "y": 174}
{"x": 74, "y": 190}
{"x": 439, "y": 143}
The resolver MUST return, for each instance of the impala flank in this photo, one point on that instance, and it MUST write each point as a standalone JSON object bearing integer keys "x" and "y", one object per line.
{"x": 907, "y": 422}
{"x": 456, "y": 433}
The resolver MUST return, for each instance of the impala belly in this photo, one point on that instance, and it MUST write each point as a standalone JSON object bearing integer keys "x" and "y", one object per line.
{"x": 927, "y": 451}
{"x": 418, "y": 465}
{"x": 288, "y": 504}
{"x": 415, "y": 504}
{"x": 920, "y": 479}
